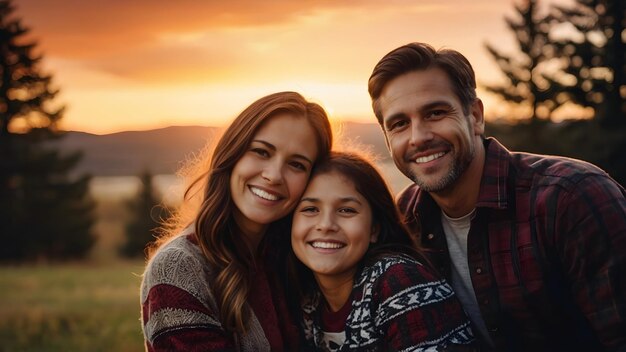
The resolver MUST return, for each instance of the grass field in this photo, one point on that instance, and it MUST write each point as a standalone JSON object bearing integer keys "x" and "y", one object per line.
{"x": 71, "y": 307}
{"x": 83, "y": 306}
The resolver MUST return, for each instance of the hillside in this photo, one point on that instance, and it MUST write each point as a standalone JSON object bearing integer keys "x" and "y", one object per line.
{"x": 162, "y": 150}
{"x": 128, "y": 153}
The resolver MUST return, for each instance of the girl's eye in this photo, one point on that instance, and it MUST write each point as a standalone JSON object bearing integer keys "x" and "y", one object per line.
{"x": 260, "y": 151}
{"x": 348, "y": 211}
{"x": 309, "y": 209}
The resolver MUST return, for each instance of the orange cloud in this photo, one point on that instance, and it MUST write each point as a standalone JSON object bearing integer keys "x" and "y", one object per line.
{"x": 86, "y": 29}
{"x": 164, "y": 55}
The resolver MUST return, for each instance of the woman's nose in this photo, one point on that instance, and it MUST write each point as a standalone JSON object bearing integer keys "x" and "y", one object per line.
{"x": 273, "y": 173}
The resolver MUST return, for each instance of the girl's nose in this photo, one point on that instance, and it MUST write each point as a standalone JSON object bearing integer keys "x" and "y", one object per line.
{"x": 327, "y": 223}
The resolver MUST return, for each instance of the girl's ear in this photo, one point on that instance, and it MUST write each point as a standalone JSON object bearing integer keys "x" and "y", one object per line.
{"x": 374, "y": 234}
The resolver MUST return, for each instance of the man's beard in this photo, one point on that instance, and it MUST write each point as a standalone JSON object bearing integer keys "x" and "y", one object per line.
{"x": 458, "y": 167}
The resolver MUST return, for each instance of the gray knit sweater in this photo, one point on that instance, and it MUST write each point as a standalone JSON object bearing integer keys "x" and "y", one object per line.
{"x": 179, "y": 311}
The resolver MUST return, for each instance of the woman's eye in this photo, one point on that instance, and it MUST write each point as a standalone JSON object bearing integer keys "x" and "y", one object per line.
{"x": 260, "y": 151}
{"x": 298, "y": 165}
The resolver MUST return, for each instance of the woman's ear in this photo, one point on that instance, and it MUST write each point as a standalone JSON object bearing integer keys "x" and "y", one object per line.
{"x": 374, "y": 234}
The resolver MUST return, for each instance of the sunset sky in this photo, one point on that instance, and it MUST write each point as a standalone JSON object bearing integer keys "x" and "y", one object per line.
{"x": 142, "y": 64}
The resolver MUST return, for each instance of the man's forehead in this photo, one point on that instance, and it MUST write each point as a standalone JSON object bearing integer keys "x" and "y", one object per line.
{"x": 428, "y": 82}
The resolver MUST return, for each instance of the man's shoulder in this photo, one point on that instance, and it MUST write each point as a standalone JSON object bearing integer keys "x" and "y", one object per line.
{"x": 546, "y": 170}
{"x": 407, "y": 197}
{"x": 538, "y": 169}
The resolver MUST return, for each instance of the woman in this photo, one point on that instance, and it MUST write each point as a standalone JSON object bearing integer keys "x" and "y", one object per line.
{"x": 370, "y": 289}
{"x": 207, "y": 287}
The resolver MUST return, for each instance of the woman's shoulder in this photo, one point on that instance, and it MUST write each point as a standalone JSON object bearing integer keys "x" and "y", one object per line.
{"x": 176, "y": 295}
{"x": 179, "y": 263}
{"x": 182, "y": 249}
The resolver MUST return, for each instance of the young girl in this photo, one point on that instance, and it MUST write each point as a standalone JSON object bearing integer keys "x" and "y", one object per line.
{"x": 370, "y": 288}
{"x": 210, "y": 287}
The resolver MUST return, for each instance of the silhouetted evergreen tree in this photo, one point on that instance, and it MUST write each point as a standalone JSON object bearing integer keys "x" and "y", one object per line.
{"x": 596, "y": 57}
{"x": 43, "y": 213}
{"x": 527, "y": 85}
{"x": 146, "y": 214}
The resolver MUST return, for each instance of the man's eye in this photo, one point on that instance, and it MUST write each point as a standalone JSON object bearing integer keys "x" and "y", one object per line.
{"x": 437, "y": 113}
{"x": 397, "y": 124}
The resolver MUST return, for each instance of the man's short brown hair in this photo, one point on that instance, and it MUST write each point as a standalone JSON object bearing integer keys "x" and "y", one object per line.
{"x": 421, "y": 56}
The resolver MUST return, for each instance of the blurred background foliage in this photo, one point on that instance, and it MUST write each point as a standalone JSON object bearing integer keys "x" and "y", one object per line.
{"x": 147, "y": 213}
{"x": 585, "y": 67}
{"x": 44, "y": 214}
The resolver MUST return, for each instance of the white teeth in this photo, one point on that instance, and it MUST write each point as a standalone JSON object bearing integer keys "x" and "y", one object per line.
{"x": 327, "y": 245}
{"x": 431, "y": 157}
{"x": 261, "y": 193}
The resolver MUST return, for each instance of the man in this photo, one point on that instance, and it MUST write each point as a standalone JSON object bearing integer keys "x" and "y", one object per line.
{"x": 534, "y": 246}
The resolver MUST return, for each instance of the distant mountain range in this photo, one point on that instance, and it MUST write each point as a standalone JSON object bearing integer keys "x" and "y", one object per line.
{"x": 162, "y": 151}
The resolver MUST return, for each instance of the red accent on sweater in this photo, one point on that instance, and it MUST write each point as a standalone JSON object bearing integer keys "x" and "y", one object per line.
{"x": 335, "y": 321}
{"x": 269, "y": 305}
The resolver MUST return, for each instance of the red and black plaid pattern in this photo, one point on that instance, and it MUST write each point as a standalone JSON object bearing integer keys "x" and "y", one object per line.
{"x": 546, "y": 251}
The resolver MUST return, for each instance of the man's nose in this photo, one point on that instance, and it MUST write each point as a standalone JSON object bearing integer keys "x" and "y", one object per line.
{"x": 420, "y": 133}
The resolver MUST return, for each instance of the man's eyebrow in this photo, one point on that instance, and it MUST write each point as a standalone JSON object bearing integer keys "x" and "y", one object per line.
{"x": 395, "y": 116}
{"x": 429, "y": 106}
{"x": 435, "y": 104}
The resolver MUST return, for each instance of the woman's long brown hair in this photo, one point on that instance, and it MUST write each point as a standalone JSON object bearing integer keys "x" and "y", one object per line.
{"x": 215, "y": 228}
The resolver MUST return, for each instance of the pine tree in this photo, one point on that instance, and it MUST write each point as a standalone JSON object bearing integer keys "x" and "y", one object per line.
{"x": 527, "y": 85}
{"x": 43, "y": 212}
{"x": 596, "y": 57}
{"x": 146, "y": 214}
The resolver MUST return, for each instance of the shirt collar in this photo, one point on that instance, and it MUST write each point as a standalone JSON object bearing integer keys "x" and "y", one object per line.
{"x": 493, "y": 187}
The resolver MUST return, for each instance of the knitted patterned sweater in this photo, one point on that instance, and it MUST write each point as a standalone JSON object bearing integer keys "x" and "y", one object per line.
{"x": 180, "y": 313}
{"x": 399, "y": 305}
